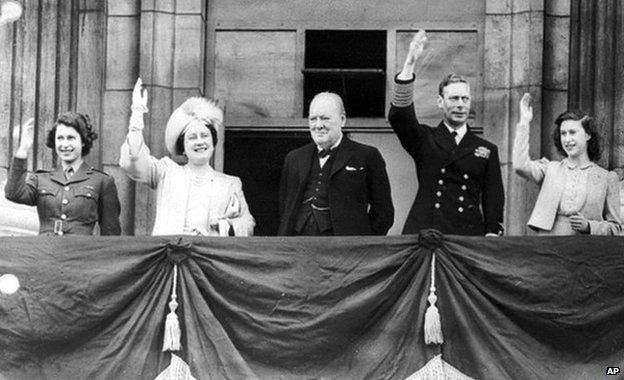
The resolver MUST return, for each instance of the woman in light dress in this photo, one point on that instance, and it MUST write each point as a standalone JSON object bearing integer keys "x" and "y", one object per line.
{"x": 576, "y": 196}
{"x": 192, "y": 199}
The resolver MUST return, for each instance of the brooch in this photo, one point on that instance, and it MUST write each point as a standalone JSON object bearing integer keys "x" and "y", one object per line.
{"x": 482, "y": 152}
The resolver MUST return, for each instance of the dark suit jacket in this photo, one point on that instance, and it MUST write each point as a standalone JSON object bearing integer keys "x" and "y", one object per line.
{"x": 359, "y": 190}
{"x": 460, "y": 187}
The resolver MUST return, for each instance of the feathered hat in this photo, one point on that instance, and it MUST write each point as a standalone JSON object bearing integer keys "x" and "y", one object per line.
{"x": 205, "y": 110}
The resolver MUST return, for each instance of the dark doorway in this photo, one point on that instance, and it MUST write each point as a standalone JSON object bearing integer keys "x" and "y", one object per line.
{"x": 257, "y": 158}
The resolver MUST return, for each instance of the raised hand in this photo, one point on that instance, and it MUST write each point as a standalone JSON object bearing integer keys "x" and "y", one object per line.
{"x": 27, "y": 138}
{"x": 139, "y": 97}
{"x": 526, "y": 110}
{"x": 417, "y": 46}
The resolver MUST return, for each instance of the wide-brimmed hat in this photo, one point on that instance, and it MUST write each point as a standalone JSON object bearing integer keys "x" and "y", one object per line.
{"x": 205, "y": 110}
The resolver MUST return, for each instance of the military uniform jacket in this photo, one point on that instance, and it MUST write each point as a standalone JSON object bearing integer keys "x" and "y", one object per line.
{"x": 67, "y": 206}
{"x": 460, "y": 186}
{"x": 359, "y": 190}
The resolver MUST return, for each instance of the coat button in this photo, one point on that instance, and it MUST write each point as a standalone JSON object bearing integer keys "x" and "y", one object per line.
{"x": 464, "y": 187}
{"x": 443, "y": 170}
{"x": 461, "y": 198}
{"x": 63, "y": 216}
{"x": 439, "y": 193}
{"x": 461, "y": 209}
{"x": 465, "y": 176}
{"x": 441, "y": 182}
{"x": 66, "y": 188}
{"x": 437, "y": 205}
{"x": 88, "y": 194}
{"x": 65, "y": 201}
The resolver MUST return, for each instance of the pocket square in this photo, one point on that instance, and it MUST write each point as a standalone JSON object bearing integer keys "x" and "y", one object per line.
{"x": 482, "y": 152}
{"x": 350, "y": 168}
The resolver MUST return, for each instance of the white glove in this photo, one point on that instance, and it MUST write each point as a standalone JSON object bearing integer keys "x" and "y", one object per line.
{"x": 139, "y": 106}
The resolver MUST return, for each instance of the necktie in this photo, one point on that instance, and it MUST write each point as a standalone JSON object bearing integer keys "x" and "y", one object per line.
{"x": 69, "y": 172}
{"x": 454, "y": 136}
{"x": 325, "y": 152}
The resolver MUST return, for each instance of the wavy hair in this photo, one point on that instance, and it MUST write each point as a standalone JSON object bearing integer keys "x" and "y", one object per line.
{"x": 81, "y": 123}
{"x": 590, "y": 125}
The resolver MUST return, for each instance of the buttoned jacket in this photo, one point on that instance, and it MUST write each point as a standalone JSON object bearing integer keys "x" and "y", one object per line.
{"x": 460, "y": 188}
{"x": 67, "y": 206}
{"x": 601, "y": 193}
{"x": 358, "y": 190}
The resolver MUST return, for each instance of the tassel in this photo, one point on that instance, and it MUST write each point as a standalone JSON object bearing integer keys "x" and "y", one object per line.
{"x": 433, "y": 326}
{"x": 171, "y": 340}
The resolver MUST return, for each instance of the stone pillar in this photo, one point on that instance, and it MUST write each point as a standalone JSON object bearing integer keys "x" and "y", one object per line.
{"x": 556, "y": 63}
{"x": 122, "y": 70}
{"x": 597, "y": 70}
{"x": 172, "y": 46}
{"x": 597, "y": 73}
{"x": 513, "y": 62}
{"x": 37, "y": 67}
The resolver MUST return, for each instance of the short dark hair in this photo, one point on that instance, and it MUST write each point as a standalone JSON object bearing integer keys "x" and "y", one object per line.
{"x": 179, "y": 146}
{"x": 590, "y": 126}
{"x": 82, "y": 125}
{"x": 450, "y": 78}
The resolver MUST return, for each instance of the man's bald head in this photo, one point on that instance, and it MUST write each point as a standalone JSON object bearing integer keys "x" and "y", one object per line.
{"x": 326, "y": 119}
{"x": 334, "y": 98}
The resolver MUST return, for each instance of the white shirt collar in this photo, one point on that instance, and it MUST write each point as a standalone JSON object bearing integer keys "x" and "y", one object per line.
{"x": 461, "y": 131}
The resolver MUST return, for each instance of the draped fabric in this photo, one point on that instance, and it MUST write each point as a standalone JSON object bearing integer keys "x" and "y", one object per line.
{"x": 307, "y": 307}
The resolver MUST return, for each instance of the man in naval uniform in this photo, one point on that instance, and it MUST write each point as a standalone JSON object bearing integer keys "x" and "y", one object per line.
{"x": 460, "y": 188}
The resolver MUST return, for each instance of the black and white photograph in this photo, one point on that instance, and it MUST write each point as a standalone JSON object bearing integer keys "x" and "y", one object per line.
{"x": 322, "y": 189}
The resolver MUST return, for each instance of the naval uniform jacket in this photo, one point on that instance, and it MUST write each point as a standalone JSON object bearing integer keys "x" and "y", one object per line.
{"x": 67, "y": 206}
{"x": 358, "y": 191}
{"x": 460, "y": 187}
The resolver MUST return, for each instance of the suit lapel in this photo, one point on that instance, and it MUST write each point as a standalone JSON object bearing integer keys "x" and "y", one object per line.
{"x": 466, "y": 147}
{"x": 342, "y": 155}
{"x": 81, "y": 174}
{"x": 305, "y": 163}
{"x": 443, "y": 138}
{"x": 58, "y": 175}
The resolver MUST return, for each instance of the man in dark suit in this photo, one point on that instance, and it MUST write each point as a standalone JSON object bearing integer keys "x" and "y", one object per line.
{"x": 334, "y": 186}
{"x": 460, "y": 187}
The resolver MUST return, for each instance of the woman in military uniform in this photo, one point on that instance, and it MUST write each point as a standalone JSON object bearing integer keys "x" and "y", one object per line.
{"x": 73, "y": 197}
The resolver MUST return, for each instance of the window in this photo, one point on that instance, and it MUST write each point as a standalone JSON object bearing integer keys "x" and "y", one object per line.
{"x": 349, "y": 63}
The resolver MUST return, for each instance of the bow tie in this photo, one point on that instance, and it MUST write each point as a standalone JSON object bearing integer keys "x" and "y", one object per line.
{"x": 325, "y": 152}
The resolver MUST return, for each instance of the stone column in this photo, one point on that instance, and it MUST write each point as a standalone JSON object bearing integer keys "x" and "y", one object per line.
{"x": 556, "y": 63}
{"x": 513, "y": 62}
{"x": 597, "y": 70}
{"x": 122, "y": 70}
{"x": 171, "y": 64}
